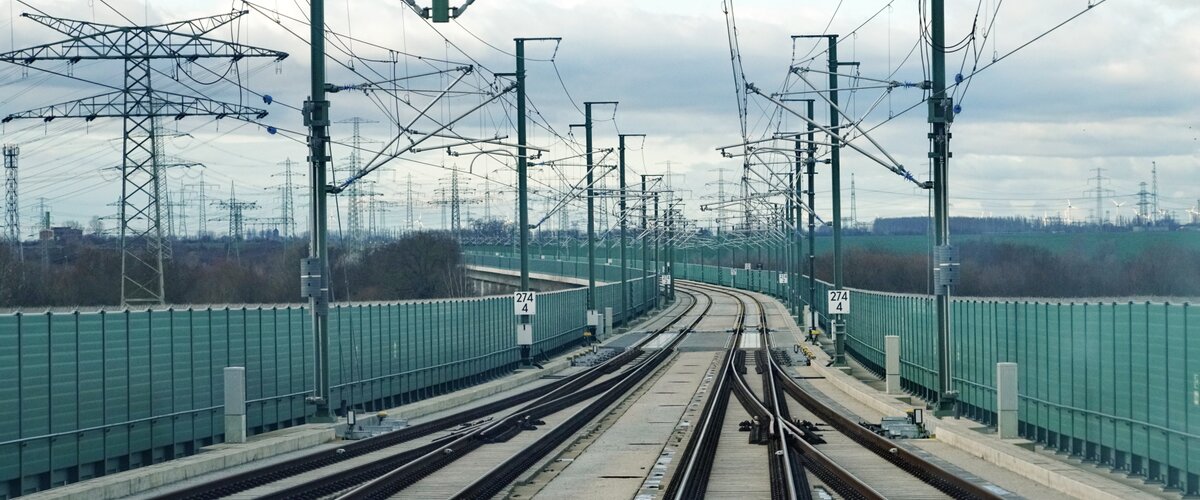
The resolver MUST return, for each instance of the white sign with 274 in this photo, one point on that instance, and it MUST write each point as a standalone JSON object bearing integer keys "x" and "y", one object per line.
{"x": 525, "y": 303}
{"x": 839, "y": 302}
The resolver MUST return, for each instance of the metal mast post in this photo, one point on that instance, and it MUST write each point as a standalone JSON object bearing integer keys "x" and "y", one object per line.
{"x": 523, "y": 181}
{"x": 670, "y": 263}
{"x": 657, "y": 259}
{"x": 624, "y": 217}
{"x": 811, "y": 163}
{"x": 315, "y": 269}
{"x": 522, "y": 188}
{"x": 624, "y": 243}
{"x": 839, "y": 321}
{"x": 591, "y": 206}
{"x": 945, "y": 258}
{"x": 647, "y": 287}
{"x": 793, "y": 225}
{"x": 645, "y": 248}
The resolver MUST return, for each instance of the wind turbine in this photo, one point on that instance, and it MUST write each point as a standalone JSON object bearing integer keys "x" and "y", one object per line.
{"x": 1119, "y": 204}
{"x": 1069, "y": 207}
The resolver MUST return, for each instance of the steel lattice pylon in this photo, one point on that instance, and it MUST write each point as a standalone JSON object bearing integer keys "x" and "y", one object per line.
{"x": 287, "y": 198}
{"x": 356, "y": 228}
{"x": 139, "y": 104}
{"x": 12, "y": 214}
{"x": 235, "y": 213}
{"x": 408, "y": 204}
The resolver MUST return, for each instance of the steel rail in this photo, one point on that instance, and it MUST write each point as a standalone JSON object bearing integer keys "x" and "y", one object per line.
{"x": 691, "y": 479}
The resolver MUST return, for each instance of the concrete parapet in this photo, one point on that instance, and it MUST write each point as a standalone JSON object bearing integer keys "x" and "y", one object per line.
{"x": 210, "y": 459}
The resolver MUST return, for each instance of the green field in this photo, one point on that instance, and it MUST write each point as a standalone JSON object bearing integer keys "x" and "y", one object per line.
{"x": 1123, "y": 244}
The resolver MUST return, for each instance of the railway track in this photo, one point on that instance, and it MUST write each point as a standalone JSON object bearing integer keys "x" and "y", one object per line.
{"x": 855, "y": 454}
{"x": 390, "y": 451}
{"x": 856, "y": 463}
{"x": 787, "y": 478}
{"x": 581, "y": 406}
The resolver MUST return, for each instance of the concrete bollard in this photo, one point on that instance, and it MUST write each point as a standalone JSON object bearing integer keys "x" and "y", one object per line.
{"x": 891, "y": 350}
{"x": 608, "y": 322}
{"x": 1006, "y": 400}
{"x": 235, "y": 404}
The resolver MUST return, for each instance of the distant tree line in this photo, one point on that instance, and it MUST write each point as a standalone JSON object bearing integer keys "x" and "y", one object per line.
{"x": 1002, "y": 269}
{"x": 995, "y": 269}
{"x": 87, "y": 272}
{"x": 996, "y": 225}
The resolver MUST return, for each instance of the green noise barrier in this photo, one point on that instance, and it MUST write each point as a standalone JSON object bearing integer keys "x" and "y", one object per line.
{"x": 90, "y": 393}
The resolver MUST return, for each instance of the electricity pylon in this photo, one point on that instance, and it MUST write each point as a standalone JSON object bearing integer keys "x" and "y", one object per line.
{"x": 12, "y": 214}
{"x": 408, "y": 204}
{"x": 235, "y": 211}
{"x": 454, "y": 197}
{"x": 202, "y": 205}
{"x": 138, "y": 104}
{"x": 722, "y": 196}
{"x": 287, "y": 198}
{"x": 181, "y": 217}
{"x": 1100, "y": 192}
{"x": 356, "y": 205}
{"x": 379, "y": 208}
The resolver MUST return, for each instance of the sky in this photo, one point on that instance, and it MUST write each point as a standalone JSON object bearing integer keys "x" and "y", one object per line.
{"x": 1117, "y": 89}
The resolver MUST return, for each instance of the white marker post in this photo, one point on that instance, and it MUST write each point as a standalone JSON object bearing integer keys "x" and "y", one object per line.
{"x": 839, "y": 303}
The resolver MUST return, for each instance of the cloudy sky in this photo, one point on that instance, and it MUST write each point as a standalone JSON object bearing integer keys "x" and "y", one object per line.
{"x": 1118, "y": 88}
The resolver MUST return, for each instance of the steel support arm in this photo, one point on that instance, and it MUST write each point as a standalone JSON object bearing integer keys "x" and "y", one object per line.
{"x": 112, "y": 105}
{"x": 182, "y": 40}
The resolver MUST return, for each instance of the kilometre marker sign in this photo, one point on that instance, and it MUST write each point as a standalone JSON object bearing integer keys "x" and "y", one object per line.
{"x": 839, "y": 302}
{"x": 525, "y": 303}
